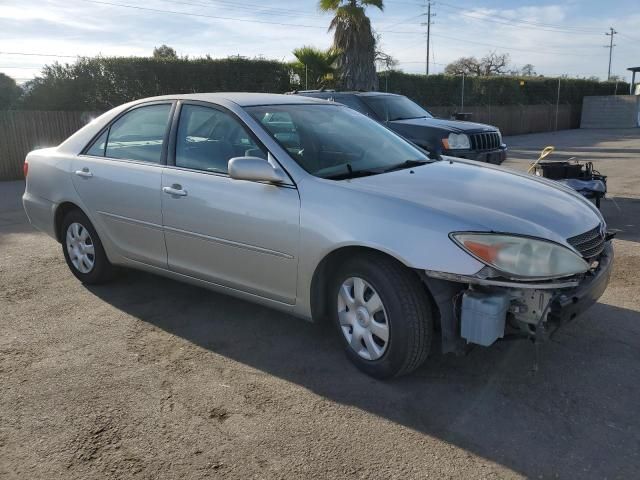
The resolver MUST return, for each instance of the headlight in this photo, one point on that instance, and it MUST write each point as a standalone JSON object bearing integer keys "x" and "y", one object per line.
{"x": 521, "y": 257}
{"x": 456, "y": 141}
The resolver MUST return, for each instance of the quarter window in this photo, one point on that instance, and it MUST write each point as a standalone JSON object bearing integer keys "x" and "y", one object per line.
{"x": 208, "y": 138}
{"x": 138, "y": 134}
{"x": 97, "y": 149}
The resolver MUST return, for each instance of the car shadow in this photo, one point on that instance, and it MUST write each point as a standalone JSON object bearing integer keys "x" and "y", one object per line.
{"x": 575, "y": 414}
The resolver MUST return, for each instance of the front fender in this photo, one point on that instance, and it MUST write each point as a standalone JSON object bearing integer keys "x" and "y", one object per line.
{"x": 333, "y": 217}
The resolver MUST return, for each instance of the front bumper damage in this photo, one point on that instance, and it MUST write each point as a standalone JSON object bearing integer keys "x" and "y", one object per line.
{"x": 481, "y": 310}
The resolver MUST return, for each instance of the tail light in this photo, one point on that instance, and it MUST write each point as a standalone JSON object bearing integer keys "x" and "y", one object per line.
{"x": 25, "y": 168}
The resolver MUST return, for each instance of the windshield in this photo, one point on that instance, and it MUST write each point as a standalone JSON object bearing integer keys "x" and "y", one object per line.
{"x": 333, "y": 141}
{"x": 389, "y": 108}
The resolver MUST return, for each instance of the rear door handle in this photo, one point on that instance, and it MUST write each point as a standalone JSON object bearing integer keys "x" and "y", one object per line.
{"x": 84, "y": 173}
{"x": 175, "y": 190}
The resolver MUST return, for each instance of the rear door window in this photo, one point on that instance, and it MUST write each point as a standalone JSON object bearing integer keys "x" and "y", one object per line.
{"x": 139, "y": 134}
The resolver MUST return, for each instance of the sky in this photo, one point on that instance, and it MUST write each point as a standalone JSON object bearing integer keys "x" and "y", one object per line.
{"x": 557, "y": 37}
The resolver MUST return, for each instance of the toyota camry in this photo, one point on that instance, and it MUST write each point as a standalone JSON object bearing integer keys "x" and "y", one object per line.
{"x": 315, "y": 209}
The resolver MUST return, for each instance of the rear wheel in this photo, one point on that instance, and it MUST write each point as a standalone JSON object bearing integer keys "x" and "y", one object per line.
{"x": 83, "y": 249}
{"x": 383, "y": 314}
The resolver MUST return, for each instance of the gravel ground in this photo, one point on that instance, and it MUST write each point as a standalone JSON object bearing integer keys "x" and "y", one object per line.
{"x": 149, "y": 378}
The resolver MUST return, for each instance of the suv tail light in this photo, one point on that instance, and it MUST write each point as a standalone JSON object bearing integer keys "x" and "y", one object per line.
{"x": 25, "y": 168}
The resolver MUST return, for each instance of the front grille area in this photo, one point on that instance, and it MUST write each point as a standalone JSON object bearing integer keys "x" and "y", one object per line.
{"x": 590, "y": 244}
{"x": 485, "y": 141}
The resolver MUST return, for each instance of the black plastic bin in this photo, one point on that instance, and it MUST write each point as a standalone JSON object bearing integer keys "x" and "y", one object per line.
{"x": 560, "y": 170}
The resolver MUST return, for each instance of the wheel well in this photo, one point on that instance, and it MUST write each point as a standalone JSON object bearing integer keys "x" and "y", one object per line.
{"x": 327, "y": 268}
{"x": 61, "y": 211}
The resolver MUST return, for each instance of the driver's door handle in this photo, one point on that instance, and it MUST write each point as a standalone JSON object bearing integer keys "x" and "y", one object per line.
{"x": 175, "y": 190}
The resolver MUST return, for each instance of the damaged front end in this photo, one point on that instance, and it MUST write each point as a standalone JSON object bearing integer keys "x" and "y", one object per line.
{"x": 482, "y": 308}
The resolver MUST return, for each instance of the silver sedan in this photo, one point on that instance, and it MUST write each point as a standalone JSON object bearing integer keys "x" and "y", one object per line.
{"x": 314, "y": 209}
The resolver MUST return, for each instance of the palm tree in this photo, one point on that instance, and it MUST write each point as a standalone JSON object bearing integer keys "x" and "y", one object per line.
{"x": 314, "y": 66}
{"x": 354, "y": 41}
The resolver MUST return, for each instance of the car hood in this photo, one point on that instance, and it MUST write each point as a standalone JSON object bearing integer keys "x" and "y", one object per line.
{"x": 488, "y": 198}
{"x": 455, "y": 126}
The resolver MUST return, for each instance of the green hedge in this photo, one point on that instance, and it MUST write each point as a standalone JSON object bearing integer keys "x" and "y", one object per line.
{"x": 101, "y": 83}
{"x": 445, "y": 90}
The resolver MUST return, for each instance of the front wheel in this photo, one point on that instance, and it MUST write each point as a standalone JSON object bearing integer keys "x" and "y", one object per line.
{"x": 383, "y": 314}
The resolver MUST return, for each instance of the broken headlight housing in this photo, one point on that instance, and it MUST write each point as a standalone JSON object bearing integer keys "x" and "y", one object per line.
{"x": 521, "y": 257}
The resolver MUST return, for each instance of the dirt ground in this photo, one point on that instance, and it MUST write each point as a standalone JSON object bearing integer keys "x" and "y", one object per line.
{"x": 149, "y": 378}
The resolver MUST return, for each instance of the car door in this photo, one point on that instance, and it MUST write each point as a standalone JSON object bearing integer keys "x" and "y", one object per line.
{"x": 119, "y": 176}
{"x": 239, "y": 234}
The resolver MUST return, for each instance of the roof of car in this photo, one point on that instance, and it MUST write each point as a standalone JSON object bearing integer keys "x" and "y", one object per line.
{"x": 332, "y": 93}
{"x": 243, "y": 99}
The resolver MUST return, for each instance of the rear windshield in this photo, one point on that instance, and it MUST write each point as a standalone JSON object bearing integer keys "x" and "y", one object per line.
{"x": 390, "y": 108}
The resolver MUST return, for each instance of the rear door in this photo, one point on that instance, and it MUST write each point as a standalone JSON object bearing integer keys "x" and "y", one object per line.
{"x": 239, "y": 234}
{"x": 119, "y": 176}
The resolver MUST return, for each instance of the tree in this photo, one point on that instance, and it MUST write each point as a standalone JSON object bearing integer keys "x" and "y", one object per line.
{"x": 383, "y": 59}
{"x": 313, "y": 66}
{"x": 494, "y": 64}
{"x": 164, "y": 52}
{"x": 354, "y": 42}
{"x": 528, "y": 71}
{"x": 464, "y": 65}
{"x": 9, "y": 91}
{"x": 491, "y": 64}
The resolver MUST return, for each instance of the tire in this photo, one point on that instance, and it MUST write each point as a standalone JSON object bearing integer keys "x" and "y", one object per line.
{"x": 89, "y": 263}
{"x": 406, "y": 311}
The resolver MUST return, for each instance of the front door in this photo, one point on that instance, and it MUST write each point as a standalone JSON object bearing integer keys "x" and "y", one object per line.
{"x": 119, "y": 180}
{"x": 239, "y": 234}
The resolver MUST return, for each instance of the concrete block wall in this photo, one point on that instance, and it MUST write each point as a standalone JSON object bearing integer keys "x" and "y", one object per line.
{"x": 610, "y": 111}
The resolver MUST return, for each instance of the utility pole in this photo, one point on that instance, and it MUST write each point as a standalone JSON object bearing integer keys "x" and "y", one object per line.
{"x": 428, "y": 25}
{"x": 462, "y": 95}
{"x": 610, "y": 47}
{"x": 558, "y": 102}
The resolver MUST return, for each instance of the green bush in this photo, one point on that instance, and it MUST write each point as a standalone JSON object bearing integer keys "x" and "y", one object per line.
{"x": 446, "y": 90}
{"x": 101, "y": 83}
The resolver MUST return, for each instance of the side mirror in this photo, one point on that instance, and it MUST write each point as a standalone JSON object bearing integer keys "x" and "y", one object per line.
{"x": 255, "y": 169}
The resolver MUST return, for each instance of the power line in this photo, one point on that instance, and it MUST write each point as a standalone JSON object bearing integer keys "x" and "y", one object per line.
{"x": 511, "y": 21}
{"x": 252, "y": 7}
{"x": 629, "y": 37}
{"x": 215, "y": 17}
{"x": 538, "y": 51}
{"x": 200, "y": 15}
{"x": 39, "y": 54}
{"x": 413, "y": 17}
